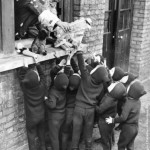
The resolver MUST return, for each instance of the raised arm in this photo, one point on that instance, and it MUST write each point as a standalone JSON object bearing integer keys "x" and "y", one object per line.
{"x": 74, "y": 66}
{"x": 81, "y": 65}
{"x": 41, "y": 73}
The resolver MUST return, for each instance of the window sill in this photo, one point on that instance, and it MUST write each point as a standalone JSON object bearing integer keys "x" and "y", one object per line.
{"x": 17, "y": 60}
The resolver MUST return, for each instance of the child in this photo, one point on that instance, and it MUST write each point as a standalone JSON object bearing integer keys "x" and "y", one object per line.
{"x": 117, "y": 73}
{"x": 86, "y": 99}
{"x": 129, "y": 116}
{"x": 108, "y": 107}
{"x": 74, "y": 82}
{"x": 33, "y": 84}
{"x": 126, "y": 80}
{"x": 93, "y": 61}
{"x": 56, "y": 103}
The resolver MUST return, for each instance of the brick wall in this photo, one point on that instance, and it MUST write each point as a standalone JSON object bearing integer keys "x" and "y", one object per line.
{"x": 140, "y": 40}
{"x": 12, "y": 119}
{"x": 93, "y": 9}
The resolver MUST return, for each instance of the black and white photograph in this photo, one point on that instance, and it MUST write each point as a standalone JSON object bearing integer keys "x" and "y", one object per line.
{"x": 74, "y": 74}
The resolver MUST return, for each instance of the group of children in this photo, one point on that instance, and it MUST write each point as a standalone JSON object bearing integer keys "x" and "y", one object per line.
{"x": 82, "y": 93}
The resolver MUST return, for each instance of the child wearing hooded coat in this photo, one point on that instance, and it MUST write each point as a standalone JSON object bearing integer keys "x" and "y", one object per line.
{"x": 56, "y": 104}
{"x": 74, "y": 82}
{"x": 129, "y": 116}
{"x": 126, "y": 80}
{"x": 86, "y": 99}
{"x": 33, "y": 84}
{"x": 106, "y": 108}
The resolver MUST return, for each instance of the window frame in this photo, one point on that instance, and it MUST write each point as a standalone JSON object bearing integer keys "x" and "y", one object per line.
{"x": 0, "y": 27}
{"x": 7, "y": 24}
{"x": 7, "y": 40}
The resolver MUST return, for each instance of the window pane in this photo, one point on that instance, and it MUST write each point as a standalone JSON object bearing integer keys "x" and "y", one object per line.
{"x": 0, "y": 28}
{"x": 127, "y": 19}
{"x": 106, "y": 5}
{"x": 111, "y": 4}
{"x": 107, "y": 22}
{"x": 121, "y": 21}
{"x": 125, "y": 4}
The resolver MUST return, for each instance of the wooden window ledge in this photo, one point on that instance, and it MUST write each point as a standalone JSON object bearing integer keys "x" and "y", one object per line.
{"x": 17, "y": 60}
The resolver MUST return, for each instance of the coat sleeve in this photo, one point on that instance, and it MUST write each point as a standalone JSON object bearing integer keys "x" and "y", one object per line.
{"x": 51, "y": 101}
{"x": 74, "y": 66}
{"x": 67, "y": 70}
{"x": 54, "y": 72}
{"x": 105, "y": 104}
{"x": 82, "y": 67}
{"x": 42, "y": 78}
{"x": 41, "y": 73}
{"x": 125, "y": 113}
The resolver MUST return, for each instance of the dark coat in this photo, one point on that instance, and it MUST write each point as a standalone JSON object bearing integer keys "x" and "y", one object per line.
{"x": 26, "y": 15}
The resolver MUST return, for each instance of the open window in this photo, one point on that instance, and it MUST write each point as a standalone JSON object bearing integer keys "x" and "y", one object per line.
{"x": 8, "y": 58}
{"x": 7, "y": 22}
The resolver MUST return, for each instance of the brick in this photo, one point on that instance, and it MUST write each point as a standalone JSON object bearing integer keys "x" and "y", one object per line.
{"x": 10, "y": 130}
{"x": 2, "y": 120}
{"x": 8, "y": 111}
{"x": 9, "y": 124}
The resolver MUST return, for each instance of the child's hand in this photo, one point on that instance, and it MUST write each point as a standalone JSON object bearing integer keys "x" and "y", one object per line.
{"x": 62, "y": 62}
{"x": 36, "y": 58}
{"x": 61, "y": 71}
{"x": 109, "y": 120}
{"x": 25, "y": 63}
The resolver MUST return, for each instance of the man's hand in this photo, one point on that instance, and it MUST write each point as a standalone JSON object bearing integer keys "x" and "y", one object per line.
{"x": 64, "y": 25}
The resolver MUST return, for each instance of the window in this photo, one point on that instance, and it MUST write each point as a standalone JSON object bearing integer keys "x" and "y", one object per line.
{"x": 8, "y": 59}
{"x": 7, "y": 23}
{"x": 0, "y": 27}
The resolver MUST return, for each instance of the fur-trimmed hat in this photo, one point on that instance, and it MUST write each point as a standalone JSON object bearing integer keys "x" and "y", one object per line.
{"x": 31, "y": 79}
{"x": 61, "y": 81}
{"x": 136, "y": 89}
{"x": 100, "y": 74}
{"x": 117, "y": 73}
{"x": 117, "y": 90}
{"x": 126, "y": 80}
{"x": 74, "y": 81}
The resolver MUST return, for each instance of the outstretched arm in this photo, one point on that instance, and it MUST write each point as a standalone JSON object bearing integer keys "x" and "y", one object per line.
{"x": 81, "y": 64}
